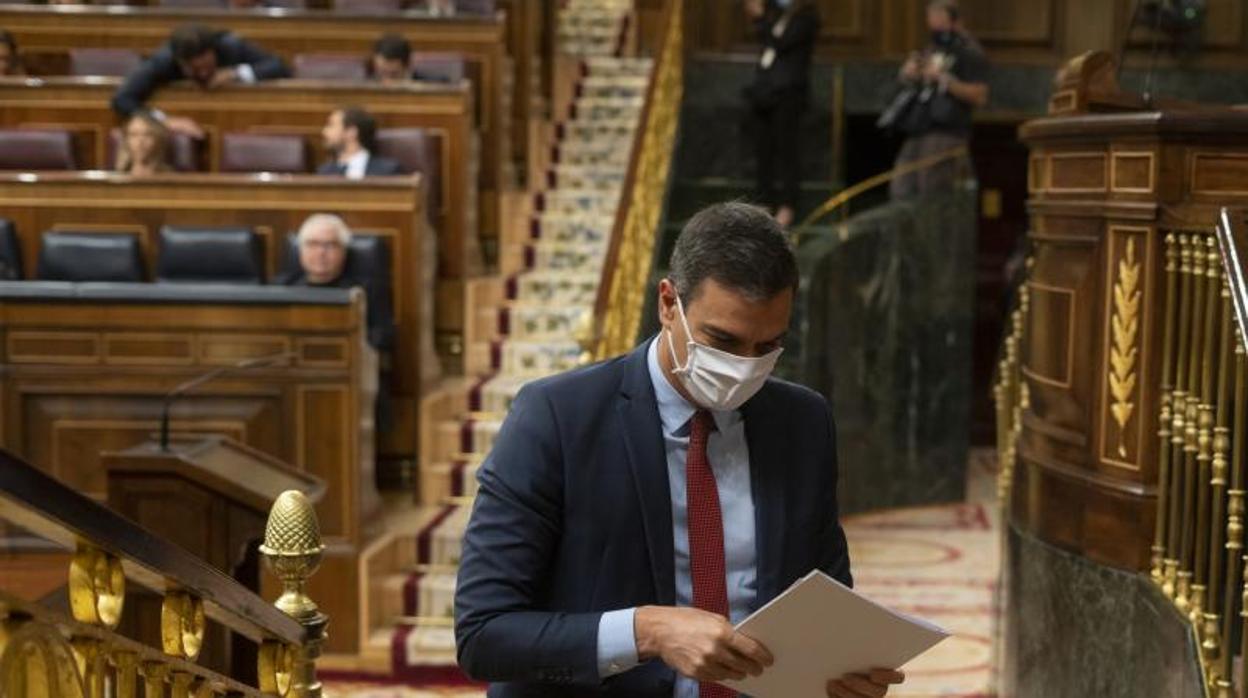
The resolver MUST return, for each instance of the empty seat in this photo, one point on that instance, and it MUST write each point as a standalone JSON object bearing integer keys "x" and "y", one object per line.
{"x": 263, "y": 152}
{"x": 416, "y": 150}
{"x": 330, "y": 66}
{"x": 474, "y": 7}
{"x": 212, "y": 255}
{"x": 108, "y": 62}
{"x": 10, "y": 252}
{"x": 36, "y": 149}
{"x": 438, "y": 66}
{"x": 184, "y": 151}
{"x": 367, "y": 6}
{"x": 70, "y": 256}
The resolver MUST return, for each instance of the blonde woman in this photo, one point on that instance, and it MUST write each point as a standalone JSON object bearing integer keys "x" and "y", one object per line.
{"x": 144, "y": 146}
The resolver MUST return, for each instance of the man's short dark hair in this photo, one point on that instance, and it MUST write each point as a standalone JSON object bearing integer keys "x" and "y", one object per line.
{"x": 191, "y": 40}
{"x": 393, "y": 47}
{"x": 740, "y": 246}
{"x": 365, "y": 126}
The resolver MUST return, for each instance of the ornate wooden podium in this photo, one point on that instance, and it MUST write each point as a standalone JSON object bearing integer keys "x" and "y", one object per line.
{"x": 1121, "y": 399}
{"x": 211, "y": 495}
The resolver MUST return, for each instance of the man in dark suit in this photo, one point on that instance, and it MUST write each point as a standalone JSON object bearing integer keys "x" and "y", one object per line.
{"x": 350, "y": 136}
{"x": 779, "y": 93}
{"x": 391, "y": 62}
{"x": 209, "y": 57}
{"x": 630, "y": 512}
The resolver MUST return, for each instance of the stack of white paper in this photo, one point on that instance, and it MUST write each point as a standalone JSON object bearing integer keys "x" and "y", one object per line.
{"x": 820, "y": 629}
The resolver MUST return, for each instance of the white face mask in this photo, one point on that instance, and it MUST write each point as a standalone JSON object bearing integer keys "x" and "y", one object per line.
{"x": 718, "y": 380}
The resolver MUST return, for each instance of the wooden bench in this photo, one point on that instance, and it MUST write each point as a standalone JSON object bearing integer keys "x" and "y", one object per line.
{"x": 273, "y": 206}
{"x": 85, "y": 368}
{"x": 288, "y": 106}
{"x": 41, "y": 30}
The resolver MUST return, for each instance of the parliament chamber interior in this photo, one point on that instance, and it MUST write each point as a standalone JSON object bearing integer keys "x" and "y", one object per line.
{"x": 274, "y": 272}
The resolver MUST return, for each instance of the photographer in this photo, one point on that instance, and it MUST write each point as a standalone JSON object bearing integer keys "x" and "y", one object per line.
{"x": 941, "y": 87}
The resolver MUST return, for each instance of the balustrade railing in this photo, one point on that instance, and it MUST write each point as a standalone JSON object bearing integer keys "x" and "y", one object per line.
{"x": 621, "y": 293}
{"x": 79, "y": 653}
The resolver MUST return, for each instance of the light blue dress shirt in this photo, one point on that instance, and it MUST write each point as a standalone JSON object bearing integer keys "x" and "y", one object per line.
{"x": 730, "y": 460}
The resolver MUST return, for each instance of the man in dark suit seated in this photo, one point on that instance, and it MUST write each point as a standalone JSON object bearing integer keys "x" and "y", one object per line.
{"x": 631, "y": 511}
{"x": 391, "y": 62}
{"x": 324, "y": 242}
{"x": 350, "y": 136}
{"x": 209, "y": 57}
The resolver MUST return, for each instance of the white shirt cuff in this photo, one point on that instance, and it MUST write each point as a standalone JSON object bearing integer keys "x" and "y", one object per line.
{"x": 617, "y": 645}
{"x": 245, "y": 73}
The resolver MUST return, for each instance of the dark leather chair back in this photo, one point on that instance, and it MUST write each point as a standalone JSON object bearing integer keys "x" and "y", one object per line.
{"x": 10, "y": 252}
{"x": 70, "y": 256}
{"x": 416, "y": 150}
{"x": 107, "y": 62}
{"x": 209, "y": 255}
{"x": 36, "y": 149}
{"x": 263, "y": 152}
{"x": 193, "y": 4}
{"x": 438, "y": 66}
{"x": 368, "y": 259}
{"x": 475, "y": 7}
{"x": 183, "y": 151}
{"x": 368, "y": 6}
{"x": 330, "y": 66}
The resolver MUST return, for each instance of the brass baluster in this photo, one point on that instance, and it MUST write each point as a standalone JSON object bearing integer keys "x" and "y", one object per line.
{"x": 292, "y": 549}
{"x": 126, "y": 681}
{"x": 1191, "y": 431}
{"x": 1235, "y": 519}
{"x": 97, "y": 594}
{"x": 1163, "y": 422}
{"x": 1178, "y": 494}
{"x": 155, "y": 679}
{"x": 1212, "y": 647}
{"x": 1204, "y": 429}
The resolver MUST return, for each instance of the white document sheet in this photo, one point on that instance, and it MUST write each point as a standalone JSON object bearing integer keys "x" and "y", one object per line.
{"x": 820, "y": 629}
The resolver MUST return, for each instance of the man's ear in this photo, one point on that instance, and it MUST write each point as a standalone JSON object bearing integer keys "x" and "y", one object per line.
{"x": 667, "y": 302}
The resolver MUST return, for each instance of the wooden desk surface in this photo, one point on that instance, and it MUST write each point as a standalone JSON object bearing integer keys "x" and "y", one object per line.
{"x": 286, "y": 106}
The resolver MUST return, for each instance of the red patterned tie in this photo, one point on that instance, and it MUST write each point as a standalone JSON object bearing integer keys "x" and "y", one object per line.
{"x": 706, "y": 534}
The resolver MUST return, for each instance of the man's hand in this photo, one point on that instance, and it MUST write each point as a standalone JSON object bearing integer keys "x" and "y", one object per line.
{"x": 933, "y": 71}
{"x": 754, "y": 8}
{"x": 223, "y": 76}
{"x": 697, "y": 644}
{"x": 871, "y": 685}
{"x": 184, "y": 125}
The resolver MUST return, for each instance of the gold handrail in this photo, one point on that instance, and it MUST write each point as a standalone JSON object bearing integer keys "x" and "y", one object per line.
{"x": 849, "y": 193}
{"x": 621, "y": 291}
{"x": 82, "y": 654}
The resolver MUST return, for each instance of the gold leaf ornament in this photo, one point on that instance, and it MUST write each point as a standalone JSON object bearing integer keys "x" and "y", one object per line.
{"x": 1124, "y": 330}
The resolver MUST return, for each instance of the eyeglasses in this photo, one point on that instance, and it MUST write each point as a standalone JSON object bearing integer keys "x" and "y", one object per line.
{"x": 322, "y": 244}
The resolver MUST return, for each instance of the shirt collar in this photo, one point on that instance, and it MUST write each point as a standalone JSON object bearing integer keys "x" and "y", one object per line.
{"x": 674, "y": 410}
{"x": 358, "y": 164}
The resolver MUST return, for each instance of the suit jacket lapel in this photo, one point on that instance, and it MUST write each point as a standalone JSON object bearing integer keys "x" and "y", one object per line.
{"x": 763, "y": 430}
{"x": 643, "y": 440}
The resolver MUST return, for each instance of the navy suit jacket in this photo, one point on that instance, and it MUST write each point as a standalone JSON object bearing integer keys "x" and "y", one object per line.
{"x": 574, "y": 518}
{"x": 161, "y": 69}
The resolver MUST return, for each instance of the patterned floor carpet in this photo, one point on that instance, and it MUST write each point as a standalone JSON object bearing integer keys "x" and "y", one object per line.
{"x": 939, "y": 563}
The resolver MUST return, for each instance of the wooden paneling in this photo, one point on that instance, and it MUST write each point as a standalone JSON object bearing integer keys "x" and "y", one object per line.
{"x": 273, "y": 206}
{"x": 61, "y": 417}
{"x": 1029, "y": 32}
{"x": 1104, "y": 192}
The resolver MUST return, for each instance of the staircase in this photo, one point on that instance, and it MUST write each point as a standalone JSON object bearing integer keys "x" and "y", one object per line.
{"x": 521, "y": 324}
